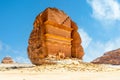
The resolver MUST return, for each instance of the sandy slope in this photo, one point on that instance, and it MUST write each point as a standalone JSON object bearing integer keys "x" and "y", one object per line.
{"x": 72, "y": 71}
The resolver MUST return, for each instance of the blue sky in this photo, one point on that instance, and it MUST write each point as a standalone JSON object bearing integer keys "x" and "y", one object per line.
{"x": 98, "y": 21}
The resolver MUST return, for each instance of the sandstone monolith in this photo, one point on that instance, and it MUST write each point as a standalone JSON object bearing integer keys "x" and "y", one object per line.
{"x": 54, "y": 35}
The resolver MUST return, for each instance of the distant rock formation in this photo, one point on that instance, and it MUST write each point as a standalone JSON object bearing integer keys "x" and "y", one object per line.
{"x": 54, "y": 33}
{"x": 111, "y": 57}
{"x": 7, "y": 60}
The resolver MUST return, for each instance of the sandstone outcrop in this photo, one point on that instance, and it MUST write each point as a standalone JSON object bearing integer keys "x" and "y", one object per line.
{"x": 54, "y": 33}
{"x": 7, "y": 60}
{"x": 111, "y": 57}
{"x": 77, "y": 49}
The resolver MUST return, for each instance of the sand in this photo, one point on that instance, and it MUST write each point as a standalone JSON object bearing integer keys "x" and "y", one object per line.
{"x": 60, "y": 76}
{"x": 71, "y": 71}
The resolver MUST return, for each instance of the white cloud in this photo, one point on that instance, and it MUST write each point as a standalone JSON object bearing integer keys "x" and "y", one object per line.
{"x": 21, "y": 59}
{"x": 8, "y": 49}
{"x": 85, "y": 38}
{"x": 112, "y": 44}
{"x": 19, "y": 56}
{"x": 105, "y": 10}
{"x": 4, "y": 47}
{"x": 98, "y": 48}
{"x": 94, "y": 49}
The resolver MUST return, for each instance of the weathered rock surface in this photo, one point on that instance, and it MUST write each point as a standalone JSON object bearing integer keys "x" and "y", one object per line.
{"x": 54, "y": 34}
{"x": 77, "y": 49}
{"x": 111, "y": 57}
{"x": 7, "y": 60}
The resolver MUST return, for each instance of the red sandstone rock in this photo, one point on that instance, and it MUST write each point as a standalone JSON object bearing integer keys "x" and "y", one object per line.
{"x": 111, "y": 57}
{"x": 77, "y": 50}
{"x": 7, "y": 60}
{"x": 53, "y": 33}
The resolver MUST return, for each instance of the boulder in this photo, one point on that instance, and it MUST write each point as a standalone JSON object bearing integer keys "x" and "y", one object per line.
{"x": 111, "y": 57}
{"x": 7, "y": 60}
{"x": 54, "y": 34}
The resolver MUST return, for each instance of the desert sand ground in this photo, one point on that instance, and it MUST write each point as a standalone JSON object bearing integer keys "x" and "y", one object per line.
{"x": 60, "y": 76}
{"x": 70, "y": 71}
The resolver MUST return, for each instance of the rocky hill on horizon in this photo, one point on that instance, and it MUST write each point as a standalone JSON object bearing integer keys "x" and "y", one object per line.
{"x": 111, "y": 57}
